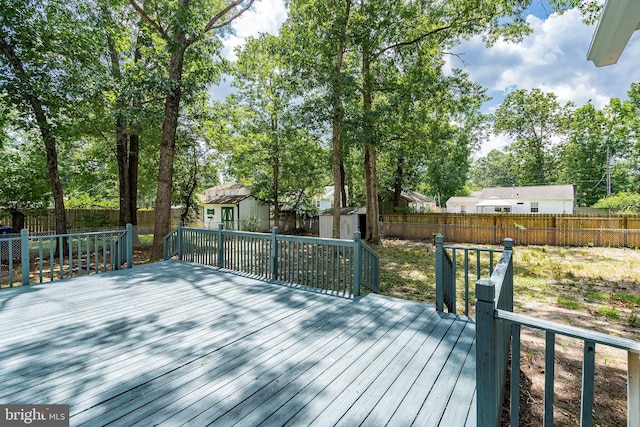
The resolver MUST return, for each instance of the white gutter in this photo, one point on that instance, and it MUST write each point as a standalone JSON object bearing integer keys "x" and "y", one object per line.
{"x": 619, "y": 19}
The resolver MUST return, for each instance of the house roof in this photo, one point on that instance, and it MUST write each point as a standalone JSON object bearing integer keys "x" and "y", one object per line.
{"x": 221, "y": 200}
{"x": 413, "y": 196}
{"x": 534, "y": 192}
{"x": 223, "y": 187}
{"x": 346, "y": 211}
{"x": 531, "y": 193}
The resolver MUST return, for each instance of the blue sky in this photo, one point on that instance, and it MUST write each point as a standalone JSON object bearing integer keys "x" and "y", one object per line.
{"x": 553, "y": 59}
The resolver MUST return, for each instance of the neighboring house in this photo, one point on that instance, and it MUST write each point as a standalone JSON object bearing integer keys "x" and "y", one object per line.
{"x": 325, "y": 201}
{"x": 235, "y": 207}
{"x": 543, "y": 199}
{"x": 618, "y": 21}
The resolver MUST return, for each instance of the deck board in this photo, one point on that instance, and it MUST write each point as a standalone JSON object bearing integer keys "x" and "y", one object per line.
{"x": 181, "y": 344}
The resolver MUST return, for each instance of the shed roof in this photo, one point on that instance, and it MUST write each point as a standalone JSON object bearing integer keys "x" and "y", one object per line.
{"x": 220, "y": 200}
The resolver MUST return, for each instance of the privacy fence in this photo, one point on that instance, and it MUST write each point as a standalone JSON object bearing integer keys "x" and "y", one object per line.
{"x": 531, "y": 229}
{"x": 78, "y": 219}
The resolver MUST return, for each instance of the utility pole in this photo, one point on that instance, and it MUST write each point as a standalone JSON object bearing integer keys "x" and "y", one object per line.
{"x": 608, "y": 173}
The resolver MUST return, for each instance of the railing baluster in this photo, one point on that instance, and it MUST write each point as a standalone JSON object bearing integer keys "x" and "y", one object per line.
{"x": 549, "y": 377}
{"x": 466, "y": 282}
{"x": 588, "y": 369}
{"x": 633, "y": 389}
{"x": 40, "y": 256}
{"x": 515, "y": 375}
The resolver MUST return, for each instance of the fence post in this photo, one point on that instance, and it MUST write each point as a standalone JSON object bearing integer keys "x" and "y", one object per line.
{"x": 129, "y": 245}
{"x": 487, "y": 390}
{"x": 220, "y": 246}
{"x": 439, "y": 273}
{"x": 179, "y": 240}
{"x": 357, "y": 264}
{"x": 274, "y": 253}
{"x": 24, "y": 246}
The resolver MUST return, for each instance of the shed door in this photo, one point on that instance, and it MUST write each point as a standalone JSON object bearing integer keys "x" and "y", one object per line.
{"x": 227, "y": 217}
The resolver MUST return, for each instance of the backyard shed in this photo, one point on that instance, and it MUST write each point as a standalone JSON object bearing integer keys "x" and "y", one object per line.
{"x": 233, "y": 206}
{"x": 351, "y": 220}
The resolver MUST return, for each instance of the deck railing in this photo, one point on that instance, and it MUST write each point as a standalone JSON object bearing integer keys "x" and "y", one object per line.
{"x": 61, "y": 256}
{"x": 480, "y": 260}
{"x": 336, "y": 266}
{"x": 498, "y": 332}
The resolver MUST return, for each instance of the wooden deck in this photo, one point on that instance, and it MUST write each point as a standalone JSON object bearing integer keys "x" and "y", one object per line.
{"x": 182, "y": 344}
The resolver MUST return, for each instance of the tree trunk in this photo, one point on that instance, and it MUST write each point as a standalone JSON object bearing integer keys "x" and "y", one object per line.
{"x": 373, "y": 233}
{"x": 121, "y": 137}
{"x": 343, "y": 185}
{"x": 397, "y": 183}
{"x": 134, "y": 143}
{"x": 47, "y": 138}
{"x": 17, "y": 220}
{"x": 134, "y": 154}
{"x": 123, "y": 170}
{"x": 338, "y": 170}
{"x": 162, "y": 223}
{"x": 276, "y": 170}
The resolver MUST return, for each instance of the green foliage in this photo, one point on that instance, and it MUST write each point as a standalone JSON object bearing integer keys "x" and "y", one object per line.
{"x": 624, "y": 203}
{"x": 25, "y": 183}
{"x": 85, "y": 201}
{"x": 532, "y": 119}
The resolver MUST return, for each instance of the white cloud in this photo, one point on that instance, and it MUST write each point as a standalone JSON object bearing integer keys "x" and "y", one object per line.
{"x": 553, "y": 59}
{"x": 265, "y": 17}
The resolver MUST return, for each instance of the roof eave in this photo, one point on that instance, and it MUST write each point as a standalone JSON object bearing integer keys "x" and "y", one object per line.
{"x": 617, "y": 24}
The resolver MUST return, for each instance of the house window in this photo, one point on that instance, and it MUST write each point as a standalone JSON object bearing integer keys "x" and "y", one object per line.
{"x": 210, "y": 213}
{"x": 503, "y": 210}
{"x": 534, "y": 207}
{"x": 463, "y": 209}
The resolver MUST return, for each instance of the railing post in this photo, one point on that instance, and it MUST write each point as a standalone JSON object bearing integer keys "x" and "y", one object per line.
{"x": 129, "y": 246}
{"x": 179, "y": 240}
{"x": 357, "y": 264}
{"x": 488, "y": 394}
{"x": 274, "y": 253}
{"x": 220, "y": 246}
{"x": 633, "y": 389}
{"x": 24, "y": 247}
{"x": 439, "y": 273}
{"x": 508, "y": 246}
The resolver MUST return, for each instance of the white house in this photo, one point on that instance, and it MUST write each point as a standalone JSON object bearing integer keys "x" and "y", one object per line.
{"x": 235, "y": 207}
{"x": 543, "y": 199}
{"x": 325, "y": 201}
{"x": 618, "y": 21}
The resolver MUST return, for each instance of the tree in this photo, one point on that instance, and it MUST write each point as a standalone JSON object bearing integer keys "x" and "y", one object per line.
{"x": 533, "y": 119}
{"x": 320, "y": 30}
{"x": 24, "y": 179}
{"x": 46, "y": 69}
{"x": 180, "y": 25}
{"x": 493, "y": 170}
{"x": 271, "y": 149}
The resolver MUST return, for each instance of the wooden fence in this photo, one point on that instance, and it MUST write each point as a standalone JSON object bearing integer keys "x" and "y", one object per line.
{"x": 78, "y": 219}
{"x": 529, "y": 229}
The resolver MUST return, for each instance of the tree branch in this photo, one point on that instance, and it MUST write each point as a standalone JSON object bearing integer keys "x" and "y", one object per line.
{"x": 150, "y": 21}
{"x": 212, "y": 23}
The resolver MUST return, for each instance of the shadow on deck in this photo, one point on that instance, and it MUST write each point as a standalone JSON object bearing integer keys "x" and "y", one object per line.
{"x": 182, "y": 344}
